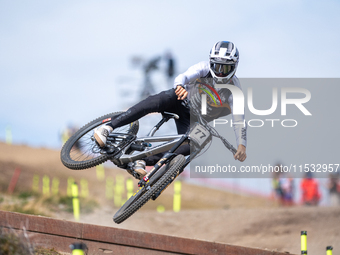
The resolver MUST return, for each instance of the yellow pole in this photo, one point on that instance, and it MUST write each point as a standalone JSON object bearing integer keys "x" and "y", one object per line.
{"x": 109, "y": 188}
{"x": 177, "y": 196}
{"x": 160, "y": 208}
{"x": 35, "y": 183}
{"x": 78, "y": 252}
{"x": 100, "y": 172}
{"x": 70, "y": 182}
{"x": 46, "y": 185}
{"x": 84, "y": 188}
{"x": 303, "y": 242}
{"x": 8, "y": 135}
{"x": 78, "y": 248}
{"x": 129, "y": 187}
{"x": 65, "y": 136}
{"x": 55, "y": 186}
{"x": 119, "y": 188}
{"x": 329, "y": 250}
{"x": 75, "y": 201}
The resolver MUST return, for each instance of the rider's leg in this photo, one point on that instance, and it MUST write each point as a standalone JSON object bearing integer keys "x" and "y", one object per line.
{"x": 164, "y": 101}
{"x": 101, "y": 134}
{"x": 182, "y": 124}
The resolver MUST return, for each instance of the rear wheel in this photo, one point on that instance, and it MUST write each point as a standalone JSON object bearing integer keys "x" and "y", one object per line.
{"x": 137, "y": 200}
{"x": 81, "y": 151}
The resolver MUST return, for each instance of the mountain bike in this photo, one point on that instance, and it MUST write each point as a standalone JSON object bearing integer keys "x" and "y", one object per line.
{"x": 123, "y": 147}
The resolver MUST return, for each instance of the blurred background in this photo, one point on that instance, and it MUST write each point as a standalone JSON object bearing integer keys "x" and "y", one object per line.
{"x": 65, "y": 63}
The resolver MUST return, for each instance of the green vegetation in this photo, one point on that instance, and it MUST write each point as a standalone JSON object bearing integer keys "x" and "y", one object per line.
{"x": 12, "y": 243}
{"x": 65, "y": 203}
{"x": 45, "y": 251}
{"x": 27, "y": 194}
{"x": 24, "y": 209}
{"x": 24, "y": 202}
{"x": 29, "y": 202}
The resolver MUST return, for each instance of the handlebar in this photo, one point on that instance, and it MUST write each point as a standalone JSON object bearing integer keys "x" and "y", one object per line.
{"x": 212, "y": 130}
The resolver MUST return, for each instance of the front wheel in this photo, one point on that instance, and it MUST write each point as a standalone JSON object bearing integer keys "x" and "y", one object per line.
{"x": 144, "y": 194}
{"x": 81, "y": 151}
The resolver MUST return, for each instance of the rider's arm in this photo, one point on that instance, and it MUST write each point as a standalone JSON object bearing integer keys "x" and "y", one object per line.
{"x": 194, "y": 72}
{"x": 240, "y": 127}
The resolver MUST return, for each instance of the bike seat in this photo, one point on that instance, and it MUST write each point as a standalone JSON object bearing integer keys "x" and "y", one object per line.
{"x": 170, "y": 115}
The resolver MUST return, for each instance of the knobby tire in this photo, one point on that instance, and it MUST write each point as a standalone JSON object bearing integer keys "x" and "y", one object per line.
{"x": 135, "y": 202}
{"x": 81, "y": 138}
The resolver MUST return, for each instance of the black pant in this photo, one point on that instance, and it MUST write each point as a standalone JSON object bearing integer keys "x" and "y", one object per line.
{"x": 166, "y": 101}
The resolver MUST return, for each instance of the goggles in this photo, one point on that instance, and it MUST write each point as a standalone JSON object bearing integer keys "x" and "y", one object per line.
{"x": 222, "y": 70}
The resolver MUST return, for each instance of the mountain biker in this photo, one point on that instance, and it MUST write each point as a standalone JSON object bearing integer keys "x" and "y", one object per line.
{"x": 221, "y": 68}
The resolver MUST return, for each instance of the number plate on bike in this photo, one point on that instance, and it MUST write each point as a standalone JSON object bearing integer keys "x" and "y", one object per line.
{"x": 199, "y": 134}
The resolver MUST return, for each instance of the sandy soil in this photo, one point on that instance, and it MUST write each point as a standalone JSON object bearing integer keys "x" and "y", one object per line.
{"x": 207, "y": 214}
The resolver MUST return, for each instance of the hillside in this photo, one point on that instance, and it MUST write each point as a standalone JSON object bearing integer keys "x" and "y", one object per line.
{"x": 207, "y": 214}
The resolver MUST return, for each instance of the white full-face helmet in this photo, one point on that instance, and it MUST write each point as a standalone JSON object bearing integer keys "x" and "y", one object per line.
{"x": 223, "y": 60}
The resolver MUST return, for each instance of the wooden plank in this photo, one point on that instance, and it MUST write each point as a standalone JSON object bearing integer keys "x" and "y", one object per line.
{"x": 61, "y": 244}
{"x": 41, "y": 224}
{"x": 59, "y": 234}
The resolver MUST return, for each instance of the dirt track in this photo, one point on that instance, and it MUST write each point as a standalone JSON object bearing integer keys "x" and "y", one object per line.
{"x": 207, "y": 214}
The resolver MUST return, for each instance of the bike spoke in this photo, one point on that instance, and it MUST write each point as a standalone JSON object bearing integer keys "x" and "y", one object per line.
{"x": 86, "y": 148}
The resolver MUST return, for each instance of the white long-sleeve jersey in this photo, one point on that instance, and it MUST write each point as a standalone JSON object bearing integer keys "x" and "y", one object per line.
{"x": 201, "y": 70}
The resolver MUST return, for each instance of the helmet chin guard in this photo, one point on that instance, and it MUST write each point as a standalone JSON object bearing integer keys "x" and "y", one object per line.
{"x": 223, "y": 60}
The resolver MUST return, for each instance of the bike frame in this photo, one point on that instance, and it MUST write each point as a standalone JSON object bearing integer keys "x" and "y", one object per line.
{"x": 158, "y": 178}
{"x": 170, "y": 145}
{"x": 170, "y": 141}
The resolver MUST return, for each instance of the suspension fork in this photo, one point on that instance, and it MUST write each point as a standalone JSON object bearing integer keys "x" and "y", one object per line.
{"x": 187, "y": 161}
{"x": 164, "y": 160}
